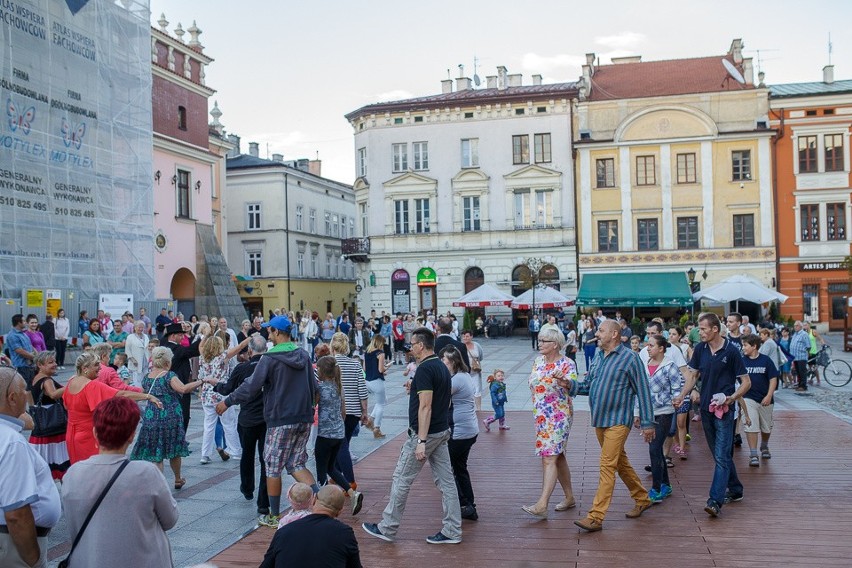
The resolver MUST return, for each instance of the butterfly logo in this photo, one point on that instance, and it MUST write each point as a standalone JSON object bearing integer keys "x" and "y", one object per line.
{"x": 22, "y": 120}
{"x": 73, "y": 136}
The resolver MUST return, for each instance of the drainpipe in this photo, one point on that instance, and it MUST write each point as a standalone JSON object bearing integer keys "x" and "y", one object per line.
{"x": 287, "y": 234}
{"x": 778, "y": 134}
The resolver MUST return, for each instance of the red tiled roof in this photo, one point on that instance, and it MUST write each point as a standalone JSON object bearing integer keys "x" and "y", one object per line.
{"x": 661, "y": 78}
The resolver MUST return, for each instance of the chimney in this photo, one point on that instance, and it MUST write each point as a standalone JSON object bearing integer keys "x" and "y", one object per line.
{"x": 536, "y": 79}
{"x": 235, "y": 141}
{"x": 277, "y": 157}
{"x": 501, "y": 77}
{"x": 302, "y": 164}
{"x": 590, "y": 59}
{"x": 628, "y": 59}
{"x": 464, "y": 84}
{"x": 736, "y": 51}
{"x": 748, "y": 71}
{"x": 515, "y": 80}
{"x": 254, "y": 149}
{"x": 491, "y": 81}
{"x": 447, "y": 86}
{"x": 828, "y": 74}
{"x": 315, "y": 167}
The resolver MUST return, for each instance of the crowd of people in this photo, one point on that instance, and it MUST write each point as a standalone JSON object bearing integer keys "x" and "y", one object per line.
{"x": 275, "y": 390}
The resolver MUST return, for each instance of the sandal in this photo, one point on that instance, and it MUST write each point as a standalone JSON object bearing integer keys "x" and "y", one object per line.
{"x": 179, "y": 483}
{"x": 565, "y": 505}
{"x": 530, "y": 511}
{"x": 764, "y": 453}
{"x": 669, "y": 462}
{"x": 754, "y": 462}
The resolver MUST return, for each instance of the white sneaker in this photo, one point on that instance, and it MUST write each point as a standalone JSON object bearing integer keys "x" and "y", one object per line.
{"x": 205, "y": 460}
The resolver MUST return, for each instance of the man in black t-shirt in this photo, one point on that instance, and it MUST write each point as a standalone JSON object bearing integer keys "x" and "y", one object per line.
{"x": 429, "y": 432}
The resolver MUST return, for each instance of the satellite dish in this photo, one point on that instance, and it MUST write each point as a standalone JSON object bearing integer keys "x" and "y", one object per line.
{"x": 733, "y": 71}
{"x": 476, "y": 80}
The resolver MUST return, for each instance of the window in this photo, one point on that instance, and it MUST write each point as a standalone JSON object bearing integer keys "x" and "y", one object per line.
{"x": 519, "y": 111}
{"x": 834, "y": 152}
{"x": 607, "y": 236}
{"x": 810, "y": 301}
{"x": 470, "y": 153}
{"x": 313, "y": 264}
{"x": 362, "y": 162}
{"x": 741, "y": 165}
{"x": 836, "y": 221}
{"x": 254, "y": 260}
{"x": 418, "y": 119}
{"x": 183, "y": 204}
{"x": 328, "y": 265}
{"x": 400, "y": 157}
{"x": 686, "y": 168}
{"x": 181, "y": 118}
{"x": 401, "y": 216}
{"x": 335, "y": 228}
{"x": 522, "y": 208}
{"x": 687, "y": 232}
{"x": 807, "y": 154}
{"x": 542, "y": 148}
{"x": 300, "y": 264}
{"x": 421, "y": 155}
{"x": 343, "y": 226}
{"x": 421, "y": 215}
{"x": 645, "y": 170}
{"x": 351, "y": 227}
{"x": 470, "y": 213}
{"x": 648, "y": 236}
{"x": 299, "y": 212}
{"x": 252, "y": 216}
{"x": 397, "y": 120}
{"x": 327, "y": 224}
{"x": 363, "y": 208}
{"x": 312, "y": 221}
{"x": 521, "y": 149}
{"x": 744, "y": 230}
{"x": 810, "y": 222}
{"x": 543, "y": 208}
{"x": 605, "y": 172}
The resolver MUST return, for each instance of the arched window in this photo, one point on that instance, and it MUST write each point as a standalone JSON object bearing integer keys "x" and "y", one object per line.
{"x": 549, "y": 276}
{"x": 473, "y": 279}
{"x": 521, "y": 280}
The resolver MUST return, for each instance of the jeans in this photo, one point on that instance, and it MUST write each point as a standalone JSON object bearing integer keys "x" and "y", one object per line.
{"x": 534, "y": 337}
{"x": 801, "y": 368}
{"x": 589, "y": 353}
{"x": 229, "y": 423}
{"x": 459, "y": 452}
{"x": 659, "y": 470}
{"x": 614, "y": 460}
{"x": 719, "y": 433}
{"x": 61, "y": 344}
{"x": 251, "y": 438}
{"x": 344, "y": 458}
{"x": 219, "y": 436}
{"x": 325, "y": 455}
{"x": 407, "y": 469}
{"x": 377, "y": 387}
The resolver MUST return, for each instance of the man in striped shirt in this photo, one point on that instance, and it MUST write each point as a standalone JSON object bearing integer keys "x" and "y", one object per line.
{"x": 616, "y": 378}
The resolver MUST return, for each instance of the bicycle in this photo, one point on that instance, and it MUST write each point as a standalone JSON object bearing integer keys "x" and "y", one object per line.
{"x": 836, "y": 372}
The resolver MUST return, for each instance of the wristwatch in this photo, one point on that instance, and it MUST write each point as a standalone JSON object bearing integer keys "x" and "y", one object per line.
{"x": 419, "y": 441}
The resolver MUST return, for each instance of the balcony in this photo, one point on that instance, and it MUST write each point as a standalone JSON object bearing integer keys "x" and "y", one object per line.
{"x": 356, "y": 250}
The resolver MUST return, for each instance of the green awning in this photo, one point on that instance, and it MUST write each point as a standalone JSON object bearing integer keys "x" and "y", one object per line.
{"x": 636, "y": 289}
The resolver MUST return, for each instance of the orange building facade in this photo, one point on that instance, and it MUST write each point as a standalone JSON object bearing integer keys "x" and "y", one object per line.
{"x": 811, "y": 159}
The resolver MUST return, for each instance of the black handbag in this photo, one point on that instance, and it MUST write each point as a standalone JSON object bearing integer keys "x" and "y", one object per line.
{"x": 50, "y": 419}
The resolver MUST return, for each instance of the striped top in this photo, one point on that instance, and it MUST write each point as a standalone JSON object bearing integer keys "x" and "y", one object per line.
{"x": 354, "y": 386}
{"x": 613, "y": 384}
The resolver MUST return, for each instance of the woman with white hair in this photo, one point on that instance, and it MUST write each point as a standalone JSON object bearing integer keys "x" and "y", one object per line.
{"x": 136, "y": 347}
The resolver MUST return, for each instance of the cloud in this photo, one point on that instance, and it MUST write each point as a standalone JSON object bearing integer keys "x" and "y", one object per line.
{"x": 621, "y": 41}
{"x": 558, "y": 64}
{"x": 395, "y": 95}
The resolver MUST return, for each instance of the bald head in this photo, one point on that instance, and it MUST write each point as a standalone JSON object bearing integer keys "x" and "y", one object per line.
{"x": 610, "y": 326}
{"x": 13, "y": 392}
{"x": 329, "y": 501}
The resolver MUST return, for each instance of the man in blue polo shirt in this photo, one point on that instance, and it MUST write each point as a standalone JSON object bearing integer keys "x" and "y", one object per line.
{"x": 21, "y": 349}
{"x": 719, "y": 363}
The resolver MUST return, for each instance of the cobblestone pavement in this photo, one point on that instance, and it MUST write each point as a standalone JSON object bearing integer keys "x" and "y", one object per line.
{"x": 214, "y": 515}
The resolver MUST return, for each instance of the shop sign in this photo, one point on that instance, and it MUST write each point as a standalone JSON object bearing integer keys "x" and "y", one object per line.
{"x": 811, "y": 266}
{"x": 427, "y": 277}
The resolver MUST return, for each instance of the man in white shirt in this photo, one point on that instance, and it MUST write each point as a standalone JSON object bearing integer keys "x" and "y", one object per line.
{"x": 29, "y": 500}
{"x": 747, "y": 328}
{"x": 232, "y": 335}
{"x": 673, "y": 355}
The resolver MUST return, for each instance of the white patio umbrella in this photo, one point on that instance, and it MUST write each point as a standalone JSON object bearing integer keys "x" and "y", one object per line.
{"x": 544, "y": 297}
{"x": 483, "y": 296}
{"x": 740, "y": 287}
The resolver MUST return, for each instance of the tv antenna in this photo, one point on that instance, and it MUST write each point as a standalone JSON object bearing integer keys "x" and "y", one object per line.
{"x": 830, "y": 46}
{"x": 733, "y": 73}
{"x": 760, "y": 58}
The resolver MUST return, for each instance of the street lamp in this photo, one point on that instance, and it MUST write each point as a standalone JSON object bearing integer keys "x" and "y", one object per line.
{"x": 691, "y": 275}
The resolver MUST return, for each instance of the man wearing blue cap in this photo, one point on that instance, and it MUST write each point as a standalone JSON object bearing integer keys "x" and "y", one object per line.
{"x": 286, "y": 376}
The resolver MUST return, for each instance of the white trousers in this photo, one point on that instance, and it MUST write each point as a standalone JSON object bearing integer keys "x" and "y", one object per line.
{"x": 229, "y": 424}
{"x": 377, "y": 387}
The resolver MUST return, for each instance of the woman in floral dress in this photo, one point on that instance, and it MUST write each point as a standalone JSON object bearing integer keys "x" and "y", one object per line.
{"x": 162, "y": 436}
{"x": 554, "y": 413}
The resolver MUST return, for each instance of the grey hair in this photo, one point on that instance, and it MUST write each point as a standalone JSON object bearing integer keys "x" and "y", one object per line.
{"x": 42, "y": 357}
{"x": 554, "y": 335}
{"x": 161, "y": 357}
{"x": 86, "y": 359}
{"x": 257, "y": 344}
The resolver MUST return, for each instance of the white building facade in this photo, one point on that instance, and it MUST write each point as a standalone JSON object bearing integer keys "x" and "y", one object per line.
{"x": 461, "y": 188}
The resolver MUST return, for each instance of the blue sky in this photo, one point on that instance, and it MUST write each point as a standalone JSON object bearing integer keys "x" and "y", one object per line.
{"x": 287, "y": 72}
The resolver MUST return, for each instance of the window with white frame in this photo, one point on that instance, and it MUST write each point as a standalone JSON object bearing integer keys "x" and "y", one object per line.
{"x": 299, "y": 213}
{"x": 314, "y": 262}
{"x": 533, "y": 208}
{"x": 400, "y": 157}
{"x": 300, "y": 263}
{"x": 542, "y": 152}
{"x": 351, "y": 227}
{"x": 835, "y": 221}
{"x": 543, "y": 208}
{"x": 421, "y": 155}
{"x": 401, "y": 216}
{"x": 470, "y": 152}
{"x": 362, "y": 162}
{"x": 343, "y": 226}
{"x": 312, "y": 221}
{"x": 363, "y": 210}
{"x": 254, "y": 263}
{"x": 253, "y": 216}
{"x": 335, "y": 226}
{"x": 328, "y": 265}
{"x": 327, "y": 224}
{"x": 421, "y": 215}
{"x": 470, "y": 213}
{"x": 522, "y": 208}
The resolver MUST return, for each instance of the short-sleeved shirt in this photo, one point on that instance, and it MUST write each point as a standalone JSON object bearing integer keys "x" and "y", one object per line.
{"x": 330, "y": 423}
{"x": 18, "y": 340}
{"x": 760, "y": 370}
{"x": 31, "y": 483}
{"x": 719, "y": 370}
{"x": 432, "y": 375}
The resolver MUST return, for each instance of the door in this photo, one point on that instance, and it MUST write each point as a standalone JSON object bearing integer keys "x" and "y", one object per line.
{"x": 838, "y": 294}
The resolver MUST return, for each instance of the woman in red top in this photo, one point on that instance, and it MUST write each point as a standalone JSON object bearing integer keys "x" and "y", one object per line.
{"x": 82, "y": 394}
